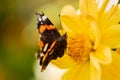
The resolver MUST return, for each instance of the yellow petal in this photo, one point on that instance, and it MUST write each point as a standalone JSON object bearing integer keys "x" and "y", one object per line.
{"x": 71, "y": 21}
{"x": 64, "y": 62}
{"x": 95, "y": 71}
{"x": 112, "y": 71}
{"x": 103, "y": 7}
{"x": 94, "y": 34}
{"x": 88, "y": 7}
{"x": 112, "y": 18}
{"x": 118, "y": 51}
{"x": 109, "y": 17}
{"x": 105, "y": 18}
{"x": 101, "y": 11}
{"x": 111, "y": 36}
{"x": 103, "y": 54}
{"x": 78, "y": 72}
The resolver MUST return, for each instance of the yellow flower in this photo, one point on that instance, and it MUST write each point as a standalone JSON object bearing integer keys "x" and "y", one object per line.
{"x": 93, "y": 31}
{"x": 118, "y": 50}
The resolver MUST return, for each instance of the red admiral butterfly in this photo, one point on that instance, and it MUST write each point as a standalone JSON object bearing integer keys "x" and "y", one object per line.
{"x": 52, "y": 44}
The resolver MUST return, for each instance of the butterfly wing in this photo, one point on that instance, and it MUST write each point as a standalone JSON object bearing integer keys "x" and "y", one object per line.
{"x": 52, "y": 44}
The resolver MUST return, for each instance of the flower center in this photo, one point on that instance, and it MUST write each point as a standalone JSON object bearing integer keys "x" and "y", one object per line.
{"x": 79, "y": 47}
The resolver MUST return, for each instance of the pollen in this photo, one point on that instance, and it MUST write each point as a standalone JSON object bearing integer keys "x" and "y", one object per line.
{"x": 79, "y": 48}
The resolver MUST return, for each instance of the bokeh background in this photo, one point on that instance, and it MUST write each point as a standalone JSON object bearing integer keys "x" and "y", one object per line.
{"x": 18, "y": 34}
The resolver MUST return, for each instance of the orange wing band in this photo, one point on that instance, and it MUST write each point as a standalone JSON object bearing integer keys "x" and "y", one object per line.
{"x": 41, "y": 44}
{"x": 51, "y": 47}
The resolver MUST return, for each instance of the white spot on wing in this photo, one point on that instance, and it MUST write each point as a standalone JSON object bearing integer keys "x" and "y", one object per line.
{"x": 39, "y": 19}
{"x": 39, "y": 35}
{"x": 45, "y": 48}
{"x": 41, "y": 54}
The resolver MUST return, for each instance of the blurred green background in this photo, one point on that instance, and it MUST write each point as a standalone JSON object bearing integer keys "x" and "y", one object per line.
{"x": 18, "y": 34}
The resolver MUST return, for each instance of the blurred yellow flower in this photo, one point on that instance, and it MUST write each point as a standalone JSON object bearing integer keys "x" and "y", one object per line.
{"x": 93, "y": 31}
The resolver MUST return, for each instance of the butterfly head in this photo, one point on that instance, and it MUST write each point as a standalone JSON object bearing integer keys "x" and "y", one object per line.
{"x": 42, "y": 19}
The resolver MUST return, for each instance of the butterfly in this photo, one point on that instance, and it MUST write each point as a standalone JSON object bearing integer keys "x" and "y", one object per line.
{"x": 51, "y": 43}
